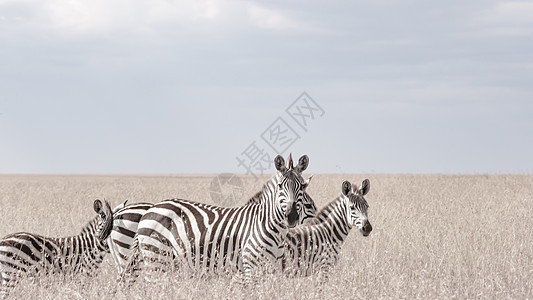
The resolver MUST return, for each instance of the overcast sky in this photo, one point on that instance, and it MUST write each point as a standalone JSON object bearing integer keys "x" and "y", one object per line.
{"x": 106, "y": 86}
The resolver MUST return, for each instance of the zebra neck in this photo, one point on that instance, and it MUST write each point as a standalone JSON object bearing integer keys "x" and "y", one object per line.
{"x": 259, "y": 197}
{"x": 89, "y": 232}
{"x": 323, "y": 214}
{"x": 334, "y": 217}
{"x": 270, "y": 217}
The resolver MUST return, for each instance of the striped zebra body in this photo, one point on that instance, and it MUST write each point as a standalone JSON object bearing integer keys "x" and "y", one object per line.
{"x": 27, "y": 254}
{"x": 315, "y": 246}
{"x": 213, "y": 239}
{"x": 198, "y": 231}
{"x": 125, "y": 223}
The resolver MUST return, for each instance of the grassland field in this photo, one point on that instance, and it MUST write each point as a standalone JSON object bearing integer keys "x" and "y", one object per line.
{"x": 434, "y": 236}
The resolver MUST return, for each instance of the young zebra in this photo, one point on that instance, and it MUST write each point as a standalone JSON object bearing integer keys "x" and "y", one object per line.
{"x": 27, "y": 254}
{"x": 213, "y": 239}
{"x": 315, "y": 246}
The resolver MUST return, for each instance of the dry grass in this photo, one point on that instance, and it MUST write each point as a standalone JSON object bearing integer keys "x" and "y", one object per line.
{"x": 435, "y": 236}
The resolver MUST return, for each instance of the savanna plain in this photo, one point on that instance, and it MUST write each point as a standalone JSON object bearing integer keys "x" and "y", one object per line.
{"x": 434, "y": 236}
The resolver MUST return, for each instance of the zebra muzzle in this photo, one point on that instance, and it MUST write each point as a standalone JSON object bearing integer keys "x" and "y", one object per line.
{"x": 292, "y": 216}
{"x": 367, "y": 229}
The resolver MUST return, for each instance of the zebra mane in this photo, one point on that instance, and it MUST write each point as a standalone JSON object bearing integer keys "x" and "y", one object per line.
{"x": 90, "y": 227}
{"x": 256, "y": 199}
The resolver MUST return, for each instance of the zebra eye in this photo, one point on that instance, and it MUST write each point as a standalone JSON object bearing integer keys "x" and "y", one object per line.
{"x": 102, "y": 215}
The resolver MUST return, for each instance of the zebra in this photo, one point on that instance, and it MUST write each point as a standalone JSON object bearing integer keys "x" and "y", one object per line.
{"x": 28, "y": 254}
{"x": 212, "y": 239}
{"x": 314, "y": 247}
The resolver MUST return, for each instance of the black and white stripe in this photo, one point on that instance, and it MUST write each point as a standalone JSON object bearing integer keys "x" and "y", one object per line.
{"x": 315, "y": 246}
{"x": 212, "y": 239}
{"x": 28, "y": 254}
{"x": 125, "y": 223}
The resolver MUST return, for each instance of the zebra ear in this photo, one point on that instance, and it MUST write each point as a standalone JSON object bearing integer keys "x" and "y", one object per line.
{"x": 107, "y": 215}
{"x": 97, "y": 205}
{"x": 365, "y": 187}
{"x": 279, "y": 163}
{"x": 303, "y": 162}
{"x": 346, "y": 187}
{"x": 106, "y": 208}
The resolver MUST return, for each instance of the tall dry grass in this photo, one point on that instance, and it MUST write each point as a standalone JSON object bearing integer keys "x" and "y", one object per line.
{"x": 435, "y": 236}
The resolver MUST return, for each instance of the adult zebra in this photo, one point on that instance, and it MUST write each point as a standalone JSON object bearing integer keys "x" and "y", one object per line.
{"x": 315, "y": 246}
{"x": 213, "y": 239}
{"x": 126, "y": 222}
{"x": 27, "y": 254}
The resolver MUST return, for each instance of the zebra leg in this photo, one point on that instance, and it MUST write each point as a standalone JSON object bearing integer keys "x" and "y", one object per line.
{"x": 258, "y": 263}
{"x": 9, "y": 279}
{"x": 157, "y": 256}
{"x": 7, "y": 285}
{"x": 244, "y": 276}
{"x": 322, "y": 270}
{"x": 149, "y": 255}
{"x": 131, "y": 270}
{"x": 8, "y": 282}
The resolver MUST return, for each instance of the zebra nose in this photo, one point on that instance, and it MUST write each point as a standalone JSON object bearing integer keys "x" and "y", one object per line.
{"x": 367, "y": 229}
{"x": 292, "y": 217}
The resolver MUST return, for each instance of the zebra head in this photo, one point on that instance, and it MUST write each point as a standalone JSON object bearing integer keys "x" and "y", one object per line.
{"x": 294, "y": 203}
{"x": 357, "y": 206}
{"x": 105, "y": 218}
